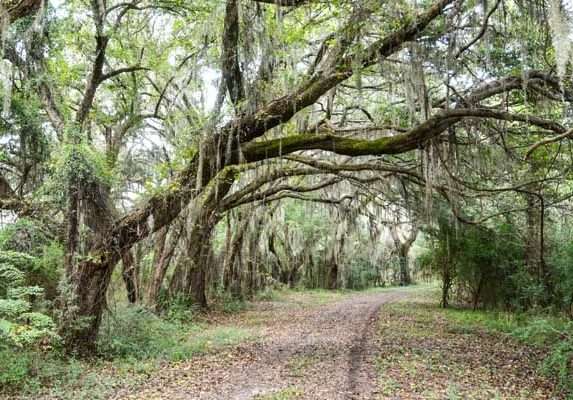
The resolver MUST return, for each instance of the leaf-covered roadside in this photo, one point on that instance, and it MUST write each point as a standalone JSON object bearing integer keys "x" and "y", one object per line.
{"x": 424, "y": 352}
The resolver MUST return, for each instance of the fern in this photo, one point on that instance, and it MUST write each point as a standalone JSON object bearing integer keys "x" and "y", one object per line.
{"x": 12, "y": 308}
{"x": 20, "y": 325}
{"x": 23, "y": 292}
{"x": 22, "y": 261}
{"x": 10, "y": 276}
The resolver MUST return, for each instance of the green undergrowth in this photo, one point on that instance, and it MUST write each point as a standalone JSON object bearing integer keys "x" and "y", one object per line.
{"x": 553, "y": 334}
{"x": 320, "y": 297}
{"x": 139, "y": 334}
{"x": 541, "y": 329}
{"x": 427, "y": 352}
{"x": 133, "y": 344}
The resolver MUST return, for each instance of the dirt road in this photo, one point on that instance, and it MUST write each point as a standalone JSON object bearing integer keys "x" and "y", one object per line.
{"x": 391, "y": 345}
{"x": 302, "y": 352}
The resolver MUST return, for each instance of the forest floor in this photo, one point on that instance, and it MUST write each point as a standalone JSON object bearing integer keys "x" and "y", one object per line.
{"x": 392, "y": 344}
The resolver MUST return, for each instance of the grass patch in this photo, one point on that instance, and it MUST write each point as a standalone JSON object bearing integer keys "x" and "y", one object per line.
{"x": 138, "y": 334}
{"x": 284, "y": 394}
{"x": 298, "y": 365}
{"x": 306, "y": 297}
{"x": 52, "y": 376}
{"x": 321, "y": 297}
{"x": 269, "y": 294}
{"x": 493, "y": 321}
{"x": 418, "y": 289}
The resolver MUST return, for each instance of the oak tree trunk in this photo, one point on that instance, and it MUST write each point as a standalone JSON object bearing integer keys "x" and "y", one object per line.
{"x": 164, "y": 249}
{"x": 130, "y": 275}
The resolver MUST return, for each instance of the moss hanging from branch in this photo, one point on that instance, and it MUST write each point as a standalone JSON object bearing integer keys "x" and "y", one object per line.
{"x": 561, "y": 33}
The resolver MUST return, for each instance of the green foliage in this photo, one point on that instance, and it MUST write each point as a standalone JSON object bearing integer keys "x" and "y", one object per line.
{"x": 26, "y": 374}
{"x": 136, "y": 333}
{"x": 299, "y": 218}
{"x": 267, "y": 294}
{"x": 134, "y": 343}
{"x": 226, "y": 302}
{"x": 359, "y": 273}
{"x": 559, "y": 362}
{"x": 21, "y": 322}
{"x": 550, "y": 334}
{"x": 283, "y": 394}
{"x": 75, "y": 164}
{"x": 561, "y": 261}
{"x": 24, "y": 235}
{"x": 178, "y": 308}
{"x": 26, "y": 245}
{"x": 483, "y": 264}
{"x": 14, "y": 369}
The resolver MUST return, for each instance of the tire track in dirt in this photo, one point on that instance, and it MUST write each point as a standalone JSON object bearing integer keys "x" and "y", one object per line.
{"x": 361, "y": 374}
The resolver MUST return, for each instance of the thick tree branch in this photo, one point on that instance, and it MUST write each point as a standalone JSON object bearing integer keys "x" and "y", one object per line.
{"x": 17, "y": 9}
{"x": 353, "y": 167}
{"x": 96, "y": 75}
{"x": 262, "y": 180}
{"x": 298, "y": 196}
{"x": 43, "y": 88}
{"x": 281, "y": 110}
{"x": 411, "y": 140}
{"x": 481, "y": 31}
{"x": 279, "y": 190}
{"x": 545, "y": 142}
{"x": 232, "y": 74}
{"x": 508, "y": 84}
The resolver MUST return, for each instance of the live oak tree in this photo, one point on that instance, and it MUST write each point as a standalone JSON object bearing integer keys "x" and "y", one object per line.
{"x": 401, "y": 96}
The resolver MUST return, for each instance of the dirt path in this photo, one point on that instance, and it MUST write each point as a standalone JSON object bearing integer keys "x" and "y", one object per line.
{"x": 303, "y": 352}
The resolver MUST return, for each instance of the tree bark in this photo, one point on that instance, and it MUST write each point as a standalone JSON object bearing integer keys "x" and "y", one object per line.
{"x": 80, "y": 331}
{"x": 332, "y": 279}
{"x": 164, "y": 249}
{"x": 72, "y": 229}
{"x": 20, "y": 8}
{"x": 447, "y": 280}
{"x": 232, "y": 281}
{"x": 152, "y": 298}
{"x": 130, "y": 275}
{"x": 531, "y": 236}
{"x": 403, "y": 250}
{"x": 405, "y": 277}
{"x": 275, "y": 261}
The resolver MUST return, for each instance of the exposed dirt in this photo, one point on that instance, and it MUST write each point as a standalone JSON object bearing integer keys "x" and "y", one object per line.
{"x": 303, "y": 352}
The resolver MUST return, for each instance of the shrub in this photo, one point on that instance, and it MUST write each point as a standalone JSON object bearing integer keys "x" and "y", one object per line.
{"x": 136, "y": 332}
